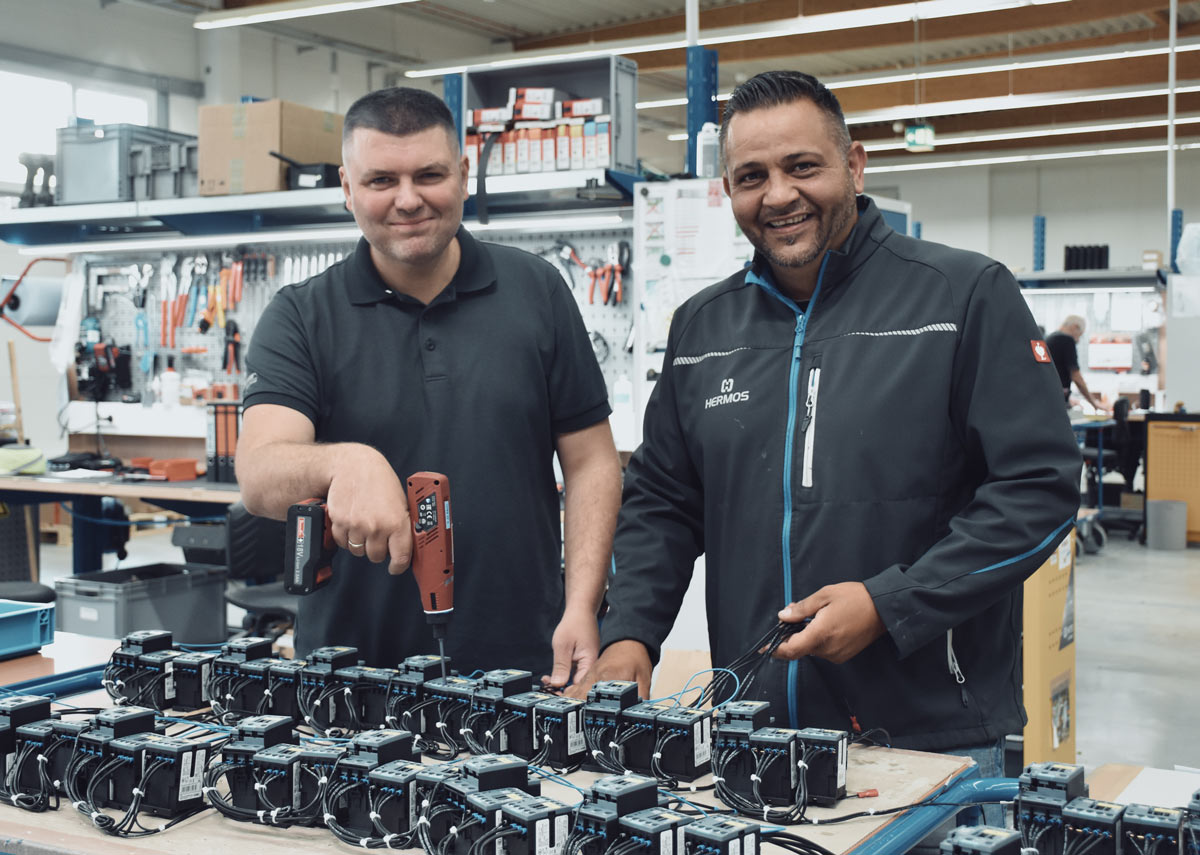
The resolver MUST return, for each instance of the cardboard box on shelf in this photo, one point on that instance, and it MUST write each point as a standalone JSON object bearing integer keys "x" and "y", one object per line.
{"x": 581, "y": 107}
{"x": 536, "y": 95}
{"x": 1049, "y": 657}
{"x": 236, "y": 141}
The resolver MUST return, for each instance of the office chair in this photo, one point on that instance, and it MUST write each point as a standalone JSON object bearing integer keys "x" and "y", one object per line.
{"x": 254, "y": 554}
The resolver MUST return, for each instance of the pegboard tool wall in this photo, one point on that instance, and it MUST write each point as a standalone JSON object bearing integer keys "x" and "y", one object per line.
{"x": 268, "y": 268}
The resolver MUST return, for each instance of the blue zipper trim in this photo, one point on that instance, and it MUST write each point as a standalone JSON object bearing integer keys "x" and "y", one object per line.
{"x": 1048, "y": 540}
{"x": 797, "y": 348}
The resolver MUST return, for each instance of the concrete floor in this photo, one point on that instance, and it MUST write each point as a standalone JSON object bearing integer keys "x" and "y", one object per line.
{"x": 1137, "y": 631}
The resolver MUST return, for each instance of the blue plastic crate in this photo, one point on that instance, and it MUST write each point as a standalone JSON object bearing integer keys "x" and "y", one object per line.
{"x": 24, "y": 627}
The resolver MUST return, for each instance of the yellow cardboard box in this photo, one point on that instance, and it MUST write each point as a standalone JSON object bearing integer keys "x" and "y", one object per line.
{"x": 1049, "y": 657}
{"x": 236, "y": 141}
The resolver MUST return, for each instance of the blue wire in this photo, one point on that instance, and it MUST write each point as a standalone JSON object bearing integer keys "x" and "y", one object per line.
{"x": 680, "y": 798}
{"x": 737, "y": 689}
{"x": 123, "y": 523}
{"x": 479, "y": 672}
{"x": 539, "y": 771}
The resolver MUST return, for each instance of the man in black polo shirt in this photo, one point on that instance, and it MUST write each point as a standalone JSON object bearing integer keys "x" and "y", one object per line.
{"x": 427, "y": 350}
{"x": 1064, "y": 352}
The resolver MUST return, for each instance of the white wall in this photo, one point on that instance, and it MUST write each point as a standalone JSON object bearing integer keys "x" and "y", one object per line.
{"x": 1118, "y": 200}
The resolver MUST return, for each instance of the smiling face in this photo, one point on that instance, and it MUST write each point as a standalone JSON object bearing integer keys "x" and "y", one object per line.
{"x": 792, "y": 188}
{"x": 406, "y": 194}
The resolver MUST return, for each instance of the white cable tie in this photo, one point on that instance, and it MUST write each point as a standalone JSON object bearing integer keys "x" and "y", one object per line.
{"x": 261, "y": 814}
{"x": 627, "y": 772}
{"x": 766, "y": 812}
{"x": 58, "y": 785}
{"x": 424, "y": 804}
{"x": 657, "y": 755}
{"x": 374, "y": 815}
{"x": 120, "y": 684}
{"x": 268, "y": 693}
{"x": 692, "y": 786}
{"x": 614, "y": 745}
{"x": 106, "y": 683}
{"x": 77, "y": 805}
{"x": 546, "y": 738}
{"x": 14, "y": 798}
{"x": 364, "y": 841}
{"x": 95, "y": 815}
{"x": 228, "y": 696}
{"x": 387, "y": 840}
{"x": 275, "y": 815}
{"x": 870, "y": 811}
{"x": 755, "y": 778}
{"x": 322, "y": 781}
{"x": 596, "y": 752}
{"x": 424, "y": 820}
{"x": 441, "y": 725}
{"x": 206, "y": 790}
{"x": 136, "y": 792}
{"x": 454, "y": 831}
{"x": 327, "y": 817}
{"x": 717, "y": 779}
{"x": 346, "y": 691}
{"x": 463, "y": 731}
{"x": 308, "y": 719}
{"x": 41, "y": 758}
{"x": 487, "y": 734}
{"x": 260, "y": 786}
{"x": 816, "y": 821}
{"x": 392, "y": 720}
{"x": 801, "y": 765}
{"x": 121, "y": 700}
{"x": 162, "y": 827}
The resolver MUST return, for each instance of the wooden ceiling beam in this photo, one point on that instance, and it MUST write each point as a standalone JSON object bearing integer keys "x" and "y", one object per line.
{"x": 889, "y": 35}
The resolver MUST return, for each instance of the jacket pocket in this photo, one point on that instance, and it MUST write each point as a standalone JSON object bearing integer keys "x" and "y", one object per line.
{"x": 808, "y": 427}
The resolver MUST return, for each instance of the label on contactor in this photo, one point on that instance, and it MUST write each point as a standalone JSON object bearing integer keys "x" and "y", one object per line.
{"x": 205, "y": 670}
{"x": 702, "y": 741}
{"x": 841, "y": 762}
{"x": 666, "y": 843}
{"x": 191, "y": 774}
{"x": 169, "y": 680}
{"x": 499, "y": 840}
{"x": 751, "y": 844}
{"x": 575, "y": 741}
{"x": 296, "y": 784}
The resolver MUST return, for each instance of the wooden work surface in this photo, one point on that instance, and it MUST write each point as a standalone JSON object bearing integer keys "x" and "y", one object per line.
{"x": 901, "y": 777}
{"x": 179, "y": 491}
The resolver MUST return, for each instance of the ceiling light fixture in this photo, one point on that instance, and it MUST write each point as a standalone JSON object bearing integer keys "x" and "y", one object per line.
{"x": 283, "y": 11}
{"x": 800, "y": 25}
{"x": 1023, "y": 133}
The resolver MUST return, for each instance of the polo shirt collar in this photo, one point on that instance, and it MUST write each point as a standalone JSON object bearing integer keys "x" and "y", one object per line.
{"x": 475, "y": 272}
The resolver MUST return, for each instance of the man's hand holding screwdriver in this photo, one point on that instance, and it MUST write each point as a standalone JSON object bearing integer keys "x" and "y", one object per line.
{"x": 368, "y": 508}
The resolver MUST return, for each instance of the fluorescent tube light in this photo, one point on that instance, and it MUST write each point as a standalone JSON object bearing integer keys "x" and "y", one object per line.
{"x": 1035, "y": 133}
{"x": 174, "y": 242}
{"x": 923, "y": 10}
{"x": 924, "y": 163}
{"x": 283, "y": 11}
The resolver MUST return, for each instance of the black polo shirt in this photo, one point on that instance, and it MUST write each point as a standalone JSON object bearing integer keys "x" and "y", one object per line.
{"x": 1065, "y": 355}
{"x": 475, "y": 385}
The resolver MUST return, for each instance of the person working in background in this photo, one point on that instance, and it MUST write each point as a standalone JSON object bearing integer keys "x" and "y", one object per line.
{"x": 857, "y": 428}
{"x": 1064, "y": 352}
{"x": 428, "y": 350}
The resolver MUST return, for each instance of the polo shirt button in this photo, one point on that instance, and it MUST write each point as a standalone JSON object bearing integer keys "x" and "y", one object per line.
{"x": 430, "y": 344}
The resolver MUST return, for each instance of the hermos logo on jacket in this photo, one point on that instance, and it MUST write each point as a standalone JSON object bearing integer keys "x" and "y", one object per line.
{"x": 727, "y": 395}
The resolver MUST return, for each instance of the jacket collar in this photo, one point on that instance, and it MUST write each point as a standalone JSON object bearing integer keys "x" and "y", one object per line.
{"x": 475, "y": 272}
{"x": 870, "y": 231}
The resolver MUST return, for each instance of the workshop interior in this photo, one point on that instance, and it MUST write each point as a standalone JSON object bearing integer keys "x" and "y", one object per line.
{"x": 168, "y": 166}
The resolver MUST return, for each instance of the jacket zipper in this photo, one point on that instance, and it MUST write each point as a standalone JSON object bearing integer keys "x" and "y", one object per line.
{"x": 809, "y": 426}
{"x": 955, "y": 671}
{"x": 793, "y": 670}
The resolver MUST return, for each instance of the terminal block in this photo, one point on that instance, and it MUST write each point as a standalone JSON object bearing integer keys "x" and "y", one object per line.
{"x": 352, "y": 806}
{"x": 784, "y": 748}
{"x": 404, "y": 691}
{"x": 721, "y": 835}
{"x": 283, "y": 685}
{"x": 1044, "y": 790}
{"x": 497, "y": 772}
{"x": 397, "y": 807}
{"x": 453, "y": 700}
{"x": 1146, "y": 828}
{"x": 510, "y": 681}
{"x": 558, "y": 731}
{"x": 32, "y": 740}
{"x": 263, "y": 731}
{"x": 173, "y": 777}
{"x": 427, "y": 666}
{"x": 127, "y": 754}
{"x": 347, "y": 704}
{"x": 982, "y": 840}
{"x": 372, "y": 686}
{"x": 1093, "y": 824}
{"x": 385, "y": 745}
{"x": 277, "y": 769}
{"x": 319, "y": 704}
{"x": 157, "y": 689}
{"x": 193, "y": 670}
{"x": 16, "y": 710}
{"x": 519, "y": 735}
{"x": 629, "y": 793}
{"x": 245, "y": 649}
{"x": 737, "y": 721}
{"x": 637, "y": 735}
{"x": 485, "y": 813}
{"x": 658, "y": 830}
{"x": 147, "y": 641}
{"x": 827, "y": 754}
{"x": 68, "y": 732}
{"x": 320, "y": 761}
{"x": 599, "y": 819}
{"x": 542, "y": 826}
{"x": 253, "y": 684}
{"x": 685, "y": 740}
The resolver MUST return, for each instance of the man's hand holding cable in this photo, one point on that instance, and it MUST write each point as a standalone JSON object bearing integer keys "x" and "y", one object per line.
{"x": 368, "y": 508}
{"x": 621, "y": 660}
{"x": 844, "y": 621}
{"x": 576, "y": 643}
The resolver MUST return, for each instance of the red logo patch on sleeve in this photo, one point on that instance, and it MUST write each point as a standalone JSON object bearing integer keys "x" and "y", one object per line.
{"x": 1041, "y": 353}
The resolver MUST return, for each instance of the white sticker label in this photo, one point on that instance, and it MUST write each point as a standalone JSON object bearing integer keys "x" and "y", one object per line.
{"x": 541, "y": 830}
{"x": 296, "y": 784}
{"x": 205, "y": 670}
{"x": 702, "y": 741}
{"x": 666, "y": 843}
{"x": 575, "y": 740}
{"x": 499, "y": 840}
{"x": 793, "y": 763}
{"x": 503, "y": 748}
{"x": 88, "y": 613}
{"x": 8, "y": 760}
{"x": 735, "y": 847}
{"x": 332, "y": 708}
{"x": 169, "y": 680}
{"x": 191, "y": 775}
{"x": 751, "y": 844}
{"x": 534, "y": 730}
{"x": 561, "y": 828}
{"x": 841, "y": 762}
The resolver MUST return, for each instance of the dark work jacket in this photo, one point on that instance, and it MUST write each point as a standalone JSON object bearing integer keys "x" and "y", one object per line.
{"x": 901, "y": 432}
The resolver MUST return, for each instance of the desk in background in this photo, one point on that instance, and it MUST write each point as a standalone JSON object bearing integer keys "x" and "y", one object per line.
{"x": 192, "y": 498}
{"x": 1173, "y": 463}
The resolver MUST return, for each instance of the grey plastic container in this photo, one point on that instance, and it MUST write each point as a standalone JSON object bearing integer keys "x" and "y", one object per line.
{"x": 94, "y": 163}
{"x": 188, "y": 600}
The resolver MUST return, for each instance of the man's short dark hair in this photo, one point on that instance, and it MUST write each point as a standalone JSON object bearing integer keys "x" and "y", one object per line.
{"x": 776, "y": 88}
{"x": 400, "y": 111}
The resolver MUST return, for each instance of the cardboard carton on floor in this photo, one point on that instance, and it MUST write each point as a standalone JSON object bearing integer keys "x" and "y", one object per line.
{"x": 236, "y": 141}
{"x": 1049, "y": 658}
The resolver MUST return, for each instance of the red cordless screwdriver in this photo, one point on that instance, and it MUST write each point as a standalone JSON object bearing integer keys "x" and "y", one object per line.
{"x": 433, "y": 550}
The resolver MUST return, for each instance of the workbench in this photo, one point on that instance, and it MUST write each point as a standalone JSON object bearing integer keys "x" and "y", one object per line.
{"x": 901, "y": 777}
{"x": 192, "y": 498}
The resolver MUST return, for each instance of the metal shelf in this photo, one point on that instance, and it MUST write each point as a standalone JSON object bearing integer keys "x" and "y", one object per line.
{"x": 255, "y": 212}
{"x": 1085, "y": 278}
